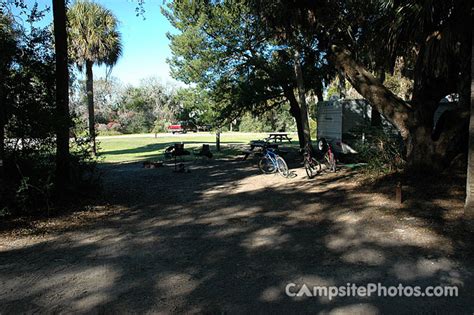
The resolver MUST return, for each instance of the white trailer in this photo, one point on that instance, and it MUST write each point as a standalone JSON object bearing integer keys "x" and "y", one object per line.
{"x": 339, "y": 120}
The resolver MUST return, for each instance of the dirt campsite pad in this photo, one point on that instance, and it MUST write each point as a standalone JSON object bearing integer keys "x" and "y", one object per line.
{"x": 224, "y": 238}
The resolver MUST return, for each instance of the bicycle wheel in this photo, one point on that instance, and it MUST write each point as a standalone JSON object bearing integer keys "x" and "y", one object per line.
{"x": 330, "y": 161}
{"x": 282, "y": 167}
{"x": 266, "y": 165}
{"x": 312, "y": 167}
{"x": 322, "y": 145}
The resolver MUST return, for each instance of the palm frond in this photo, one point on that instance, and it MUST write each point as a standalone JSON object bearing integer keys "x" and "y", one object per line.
{"x": 93, "y": 34}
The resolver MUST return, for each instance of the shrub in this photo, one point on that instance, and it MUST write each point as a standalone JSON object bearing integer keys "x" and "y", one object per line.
{"x": 382, "y": 150}
{"x": 101, "y": 128}
{"x": 114, "y": 126}
{"x": 30, "y": 182}
{"x": 251, "y": 124}
{"x": 136, "y": 122}
{"x": 30, "y": 173}
{"x": 161, "y": 125}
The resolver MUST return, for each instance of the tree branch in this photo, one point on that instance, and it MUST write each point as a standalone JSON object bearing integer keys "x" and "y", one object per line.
{"x": 397, "y": 111}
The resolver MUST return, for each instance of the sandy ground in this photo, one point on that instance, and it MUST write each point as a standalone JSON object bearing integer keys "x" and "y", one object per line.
{"x": 226, "y": 239}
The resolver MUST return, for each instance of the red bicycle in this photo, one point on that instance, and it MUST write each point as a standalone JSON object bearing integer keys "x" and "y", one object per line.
{"x": 311, "y": 164}
{"x": 328, "y": 155}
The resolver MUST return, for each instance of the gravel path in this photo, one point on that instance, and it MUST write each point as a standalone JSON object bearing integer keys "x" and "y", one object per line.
{"x": 226, "y": 239}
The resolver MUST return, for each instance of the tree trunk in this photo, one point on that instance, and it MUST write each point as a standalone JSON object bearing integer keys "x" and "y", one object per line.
{"x": 296, "y": 113}
{"x": 376, "y": 118}
{"x": 469, "y": 207}
{"x": 62, "y": 96}
{"x": 397, "y": 111}
{"x": 414, "y": 122}
{"x": 218, "y": 140}
{"x": 319, "y": 92}
{"x": 302, "y": 99}
{"x": 2, "y": 133}
{"x": 341, "y": 87}
{"x": 470, "y": 169}
{"x": 90, "y": 104}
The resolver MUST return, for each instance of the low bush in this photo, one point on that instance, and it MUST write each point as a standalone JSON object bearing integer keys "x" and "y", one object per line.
{"x": 30, "y": 174}
{"x": 381, "y": 150}
{"x": 161, "y": 125}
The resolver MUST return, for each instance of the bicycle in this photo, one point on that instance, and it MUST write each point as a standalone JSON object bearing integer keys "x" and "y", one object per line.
{"x": 328, "y": 157}
{"x": 311, "y": 164}
{"x": 272, "y": 162}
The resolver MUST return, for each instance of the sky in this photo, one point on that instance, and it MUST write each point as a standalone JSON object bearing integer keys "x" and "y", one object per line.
{"x": 145, "y": 45}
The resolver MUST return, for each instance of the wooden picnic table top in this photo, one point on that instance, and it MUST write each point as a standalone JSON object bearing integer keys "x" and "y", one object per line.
{"x": 278, "y": 133}
{"x": 278, "y": 136}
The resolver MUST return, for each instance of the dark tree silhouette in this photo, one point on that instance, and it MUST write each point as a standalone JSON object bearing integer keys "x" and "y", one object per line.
{"x": 62, "y": 95}
{"x": 470, "y": 168}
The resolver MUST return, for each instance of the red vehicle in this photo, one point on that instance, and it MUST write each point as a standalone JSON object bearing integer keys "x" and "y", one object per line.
{"x": 182, "y": 127}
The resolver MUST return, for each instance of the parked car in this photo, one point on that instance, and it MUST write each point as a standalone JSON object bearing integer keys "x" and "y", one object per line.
{"x": 182, "y": 127}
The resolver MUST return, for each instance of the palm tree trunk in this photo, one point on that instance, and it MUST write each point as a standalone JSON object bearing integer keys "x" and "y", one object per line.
{"x": 469, "y": 208}
{"x": 62, "y": 96}
{"x": 302, "y": 99}
{"x": 90, "y": 104}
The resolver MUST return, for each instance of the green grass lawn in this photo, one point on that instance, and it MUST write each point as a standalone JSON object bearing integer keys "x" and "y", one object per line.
{"x": 114, "y": 149}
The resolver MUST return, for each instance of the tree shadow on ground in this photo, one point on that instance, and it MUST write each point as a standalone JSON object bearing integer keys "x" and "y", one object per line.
{"x": 224, "y": 239}
{"x": 156, "y": 150}
{"x": 158, "y": 147}
{"x": 436, "y": 199}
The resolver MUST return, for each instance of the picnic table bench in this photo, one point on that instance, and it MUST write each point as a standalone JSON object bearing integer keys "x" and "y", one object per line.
{"x": 278, "y": 137}
{"x": 257, "y": 144}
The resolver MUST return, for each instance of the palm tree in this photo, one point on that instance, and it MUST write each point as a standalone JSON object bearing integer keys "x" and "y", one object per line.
{"x": 93, "y": 39}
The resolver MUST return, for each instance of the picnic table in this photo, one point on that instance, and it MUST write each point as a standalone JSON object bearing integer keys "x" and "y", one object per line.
{"x": 278, "y": 137}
